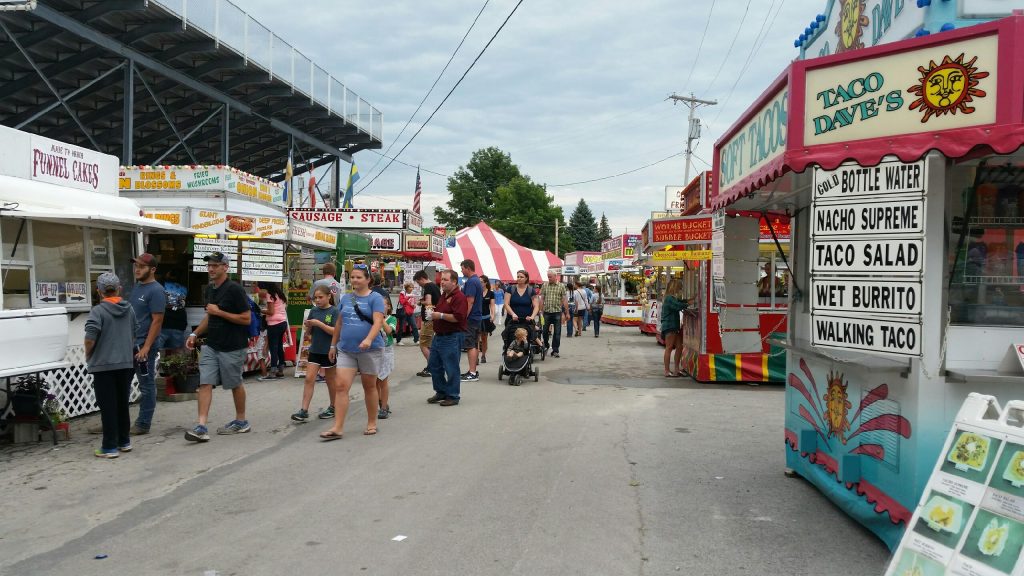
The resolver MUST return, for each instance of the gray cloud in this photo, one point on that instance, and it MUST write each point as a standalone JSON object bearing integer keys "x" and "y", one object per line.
{"x": 572, "y": 89}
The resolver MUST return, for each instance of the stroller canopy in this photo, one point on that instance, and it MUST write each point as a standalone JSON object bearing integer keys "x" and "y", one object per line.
{"x": 496, "y": 256}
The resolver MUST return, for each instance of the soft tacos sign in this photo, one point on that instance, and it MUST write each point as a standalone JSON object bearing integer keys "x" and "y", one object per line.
{"x": 759, "y": 141}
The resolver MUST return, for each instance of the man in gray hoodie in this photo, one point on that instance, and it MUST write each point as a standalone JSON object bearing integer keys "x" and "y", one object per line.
{"x": 109, "y": 355}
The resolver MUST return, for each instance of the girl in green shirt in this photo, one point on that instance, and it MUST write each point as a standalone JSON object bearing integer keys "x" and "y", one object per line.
{"x": 670, "y": 309}
{"x": 388, "y": 363}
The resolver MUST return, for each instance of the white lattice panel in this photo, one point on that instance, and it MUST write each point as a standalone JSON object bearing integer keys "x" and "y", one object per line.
{"x": 73, "y": 385}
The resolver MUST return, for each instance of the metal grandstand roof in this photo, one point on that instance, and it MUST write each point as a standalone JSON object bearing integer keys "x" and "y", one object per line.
{"x": 206, "y": 84}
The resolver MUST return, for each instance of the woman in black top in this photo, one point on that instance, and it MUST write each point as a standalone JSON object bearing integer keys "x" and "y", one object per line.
{"x": 487, "y": 317}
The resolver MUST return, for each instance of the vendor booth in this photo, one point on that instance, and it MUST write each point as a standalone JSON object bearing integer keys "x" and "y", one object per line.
{"x": 496, "y": 256}
{"x": 229, "y": 211}
{"x": 62, "y": 224}
{"x": 620, "y": 281}
{"x": 902, "y": 167}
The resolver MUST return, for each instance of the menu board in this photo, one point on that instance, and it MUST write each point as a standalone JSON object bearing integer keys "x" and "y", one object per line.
{"x": 867, "y": 257}
{"x": 970, "y": 520}
{"x": 260, "y": 261}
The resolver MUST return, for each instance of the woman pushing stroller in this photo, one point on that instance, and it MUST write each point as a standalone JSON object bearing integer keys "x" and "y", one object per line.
{"x": 521, "y": 306}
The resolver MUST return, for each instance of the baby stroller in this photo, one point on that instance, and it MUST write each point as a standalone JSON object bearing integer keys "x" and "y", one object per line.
{"x": 532, "y": 333}
{"x": 518, "y": 368}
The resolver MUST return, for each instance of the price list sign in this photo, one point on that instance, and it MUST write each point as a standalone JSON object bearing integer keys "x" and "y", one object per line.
{"x": 867, "y": 257}
{"x": 260, "y": 261}
{"x": 970, "y": 520}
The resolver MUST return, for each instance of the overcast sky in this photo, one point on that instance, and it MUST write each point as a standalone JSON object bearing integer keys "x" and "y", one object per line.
{"x": 572, "y": 89}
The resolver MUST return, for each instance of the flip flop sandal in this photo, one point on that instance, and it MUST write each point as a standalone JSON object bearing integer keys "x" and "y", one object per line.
{"x": 328, "y": 436}
{"x": 369, "y": 432}
{"x": 671, "y": 375}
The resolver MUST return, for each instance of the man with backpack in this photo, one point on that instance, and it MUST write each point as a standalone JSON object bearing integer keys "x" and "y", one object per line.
{"x": 226, "y": 327}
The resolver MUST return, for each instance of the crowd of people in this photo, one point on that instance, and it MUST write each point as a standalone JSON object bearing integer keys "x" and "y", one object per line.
{"x": 352, "y": 334}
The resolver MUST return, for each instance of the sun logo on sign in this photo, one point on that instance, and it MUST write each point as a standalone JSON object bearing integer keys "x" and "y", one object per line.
{"x": 947, "y": 87}
{"x": 852, "y": 21}
{"x": 837, "y": 407}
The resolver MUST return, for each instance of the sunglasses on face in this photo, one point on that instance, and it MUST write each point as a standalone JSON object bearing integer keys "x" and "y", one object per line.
{"x": 360, "y": 267}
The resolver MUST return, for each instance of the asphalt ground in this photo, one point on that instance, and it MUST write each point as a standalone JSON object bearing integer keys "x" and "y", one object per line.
{"x": 601, "y": 467}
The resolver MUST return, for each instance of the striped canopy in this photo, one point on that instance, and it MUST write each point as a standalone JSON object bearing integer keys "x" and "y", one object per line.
{"x": 496, "y": 256}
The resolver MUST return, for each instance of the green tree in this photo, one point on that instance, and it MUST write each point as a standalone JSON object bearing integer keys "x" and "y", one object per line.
{"x": 526, "y": 214}
{"x": 604, "y": 232}
{"x": 583, "y": 228}
{"x": 473, "y": 188}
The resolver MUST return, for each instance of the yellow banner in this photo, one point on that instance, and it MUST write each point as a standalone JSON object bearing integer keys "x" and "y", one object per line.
{"x": 666, "y": 255}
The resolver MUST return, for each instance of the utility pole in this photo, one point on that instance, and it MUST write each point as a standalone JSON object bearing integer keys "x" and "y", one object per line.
{"x": 556, "y": 237}
{"x": 693, "y": 126}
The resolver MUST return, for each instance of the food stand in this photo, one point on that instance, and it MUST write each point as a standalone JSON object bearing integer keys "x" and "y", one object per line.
{"x": 902, "y": 168}
{"x": 230, "y": 211}
{"x": 619, "y": 281}
{"x": 62, "y": 224}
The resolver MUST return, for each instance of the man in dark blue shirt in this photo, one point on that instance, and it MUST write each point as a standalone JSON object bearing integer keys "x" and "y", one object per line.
{"x": 474, "y": 292}
{"x": 149, "y": 301}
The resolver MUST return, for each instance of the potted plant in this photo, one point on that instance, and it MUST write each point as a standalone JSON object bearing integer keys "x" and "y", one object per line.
{"x": 28, "y": 394}
{"x": 183, "y": 369}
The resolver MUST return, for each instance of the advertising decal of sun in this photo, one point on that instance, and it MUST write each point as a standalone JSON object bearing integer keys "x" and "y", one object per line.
{"x": 837, "y": 407}
{"x": 947, "y": 87}
{"x": 850, "y": 27}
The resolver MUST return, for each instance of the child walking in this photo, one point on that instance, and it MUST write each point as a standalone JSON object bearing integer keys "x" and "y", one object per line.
{"x": 320, "y": 323}
{"x": 388, "y": 363}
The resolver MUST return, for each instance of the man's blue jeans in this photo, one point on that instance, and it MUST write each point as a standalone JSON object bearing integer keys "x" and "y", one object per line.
{"x": 147, "y": 387}
{"x": 445, "y": 353}
{"x": 553, "y": 321}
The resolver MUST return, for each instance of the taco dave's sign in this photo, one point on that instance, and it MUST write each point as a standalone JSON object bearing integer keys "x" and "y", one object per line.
{"x": 930, "y": 89}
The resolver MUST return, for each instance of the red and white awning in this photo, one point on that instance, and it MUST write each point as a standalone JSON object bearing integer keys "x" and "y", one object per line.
{"x": 496, "y": 256}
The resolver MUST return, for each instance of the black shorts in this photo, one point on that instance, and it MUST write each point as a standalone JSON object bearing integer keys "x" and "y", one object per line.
{"x": 580, "y": 313}
{"x": 471, "y": 336}
{"x": 322, "y": 360}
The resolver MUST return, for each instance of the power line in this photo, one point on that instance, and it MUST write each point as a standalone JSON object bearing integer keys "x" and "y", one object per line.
{"x": 699, "y": 46}
{"x": 450, "y": 92}
{"x": 620, "y": 173}
{"x": 431, "y": 90}
{"x": 731, "y": 46}
{"x": 755, "y": 48}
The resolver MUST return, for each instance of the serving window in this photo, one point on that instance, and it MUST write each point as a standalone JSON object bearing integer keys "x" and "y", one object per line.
{"x": 56, "y": 264}
{"x": 986, "y": 241}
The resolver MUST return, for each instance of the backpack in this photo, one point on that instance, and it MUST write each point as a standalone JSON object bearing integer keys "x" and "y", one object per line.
{"x": 257, "y": 321}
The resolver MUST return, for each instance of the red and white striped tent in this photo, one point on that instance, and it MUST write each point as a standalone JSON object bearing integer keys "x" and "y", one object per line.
{"x": 496, "y": 256}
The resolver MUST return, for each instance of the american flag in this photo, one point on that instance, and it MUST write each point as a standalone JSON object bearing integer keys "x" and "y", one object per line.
{"x": 419, "y": 192}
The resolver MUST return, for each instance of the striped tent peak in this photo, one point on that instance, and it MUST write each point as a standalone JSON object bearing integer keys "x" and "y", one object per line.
{"x": 496, "y": 256}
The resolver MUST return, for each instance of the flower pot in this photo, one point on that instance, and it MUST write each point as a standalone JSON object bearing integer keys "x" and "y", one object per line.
{"x": 187, "y": 385}
{"x": 26, "y": 405}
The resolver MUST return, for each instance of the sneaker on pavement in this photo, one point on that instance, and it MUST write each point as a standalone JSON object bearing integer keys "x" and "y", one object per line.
{"x": 234, "y": 427}
{"x": 267, "y": 377}
{"x": 435, "y": 398}
{"x": 301, "y": 416}
{"x": 483, "y": 358}
{"x": 126, "y": 448}
{"x": 198, "y": 434}
{"x": 106, "y": 453}
{"x": 470, "y": 376}
{"x": 326, "y": 413}
{"x": 554, "y": 355}
{"x": 320, "y": 378}
{"x": 424, "y": 373}
{"x": 139, "y": 430}
{"x": 383, "y": 413}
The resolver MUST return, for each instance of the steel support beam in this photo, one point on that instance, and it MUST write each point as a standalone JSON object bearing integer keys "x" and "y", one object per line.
{"x": 187, "y": 136}
{"x": 128, "y": 119}
{"x": 88, "y": 33}
{"x": 170, "y": 120}
{"x": 225, "y": 143}
{"x": 28, "y": 118}
{"x": 336, "y": 193}
{"x": 67, "y": 107}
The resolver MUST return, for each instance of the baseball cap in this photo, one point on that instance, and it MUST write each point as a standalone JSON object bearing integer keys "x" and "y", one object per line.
{"x": 108, "y": 281}
{"x": 146, "y": 259}
{"x": 218, "y": 257}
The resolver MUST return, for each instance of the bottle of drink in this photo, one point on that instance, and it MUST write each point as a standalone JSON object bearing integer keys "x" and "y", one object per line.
{"x": 141, "y": 366}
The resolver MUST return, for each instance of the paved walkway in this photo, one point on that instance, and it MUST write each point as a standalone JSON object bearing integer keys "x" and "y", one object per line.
{"x": 602, "y": 467}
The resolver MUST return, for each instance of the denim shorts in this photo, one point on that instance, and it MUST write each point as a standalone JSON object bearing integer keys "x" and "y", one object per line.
{"x": 171, "y": 339}
{"x": 221, "y": 368}
{"x": 366, "y": 362}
